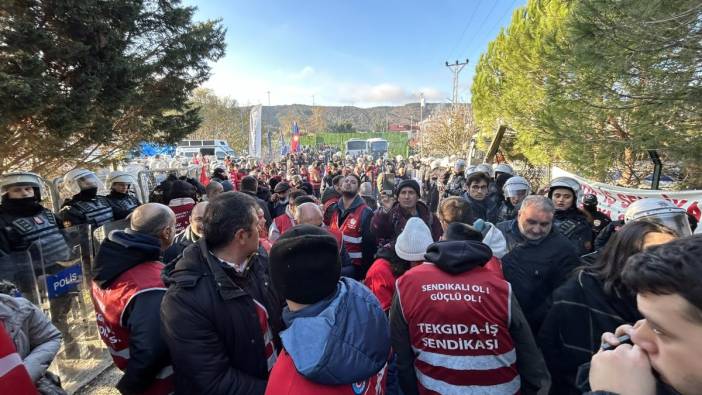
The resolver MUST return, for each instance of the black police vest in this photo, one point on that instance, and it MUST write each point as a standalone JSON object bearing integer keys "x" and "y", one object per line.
{"x": 97, "y": 211}
{"x": 40, "y": 228}
{"x": 124, "y": 205}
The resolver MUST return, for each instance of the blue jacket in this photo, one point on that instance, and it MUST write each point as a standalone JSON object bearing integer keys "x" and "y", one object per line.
{"x": 339, "y": 340}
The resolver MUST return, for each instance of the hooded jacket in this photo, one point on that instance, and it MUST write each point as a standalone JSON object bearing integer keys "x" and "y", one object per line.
{"x": 458, "y": 257}
{"x": 212, "y": 323}
{"x": 336, "y": 346}
{"x": 148, "y": 354}
{"x": 36, "y": 339}
{"x": 536, "y": 268}
{"x": 486, "y": 209}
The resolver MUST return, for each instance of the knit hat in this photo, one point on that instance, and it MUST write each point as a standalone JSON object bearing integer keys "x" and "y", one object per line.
{"x": 304, "y": 264}
{"x": 281, "y": 187}
{"x": 407, "y": 183}
{"x": 412, "y": 243}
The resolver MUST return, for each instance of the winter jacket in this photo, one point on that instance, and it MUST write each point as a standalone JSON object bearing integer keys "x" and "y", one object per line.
{"x": 573, "y": 224}
{"x": 456, "y": 185}
{"x": 536, "y": 268}
{"x": 571, "y": 333}
{"x": 264, "y": 206}
{"x": 387, "y": 226}
{"x": 433, "y": 195}
{"x": 36, "y": 339}
{"x": 485, "y": 209}
{"x": 212, "y": 323}
{"x": 371, "y": 202}
{"x": 336, "y": 345}
{"x": 180, "y": 242}
{"x": 148, "y": 354}
{"x": 460, "y": 257}
{"x": 494, "y": 239}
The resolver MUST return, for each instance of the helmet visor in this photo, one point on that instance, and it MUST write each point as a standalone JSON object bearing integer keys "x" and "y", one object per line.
{"x": 515, "y": 190}
{"x": 87, "y": 182}
{"x": 676, "y": 222}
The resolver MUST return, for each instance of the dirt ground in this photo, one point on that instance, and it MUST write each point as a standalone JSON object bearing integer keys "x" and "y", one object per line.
{"x": 104, "y": 384}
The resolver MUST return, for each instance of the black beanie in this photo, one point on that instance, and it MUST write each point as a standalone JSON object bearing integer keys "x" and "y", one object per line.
{"x": 305, "y": 265}
{"x": 407, "y": 183}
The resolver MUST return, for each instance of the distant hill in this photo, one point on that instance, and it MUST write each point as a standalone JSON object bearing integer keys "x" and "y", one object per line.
{"x": 362, "y": 119}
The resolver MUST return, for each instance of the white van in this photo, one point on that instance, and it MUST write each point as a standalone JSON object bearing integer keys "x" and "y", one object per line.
{"x": 377, "y": 147}
{"x": 356, "y": 147}
{"x": 215, "y": 148}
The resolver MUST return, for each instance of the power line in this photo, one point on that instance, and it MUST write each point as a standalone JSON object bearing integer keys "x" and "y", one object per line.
{"x": 470, "y": 20}
{"x": 498, "y": 22}
{"x": 456, "y": 69}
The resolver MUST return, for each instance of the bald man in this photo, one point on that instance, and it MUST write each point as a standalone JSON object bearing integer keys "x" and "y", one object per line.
{"x": 311, "y": 214}
{"x": 127, "y": 290}
{"x": 189, "y": 235}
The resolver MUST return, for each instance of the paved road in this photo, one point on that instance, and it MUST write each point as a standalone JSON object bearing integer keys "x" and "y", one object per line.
{"x": 104, "y": 384}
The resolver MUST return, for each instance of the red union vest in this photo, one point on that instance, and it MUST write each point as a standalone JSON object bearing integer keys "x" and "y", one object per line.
{"x": 110, "y": 304}
{"x": 14, "y": 378}
{"x": 459, "y": 330}
{"x": 351, "y": 232}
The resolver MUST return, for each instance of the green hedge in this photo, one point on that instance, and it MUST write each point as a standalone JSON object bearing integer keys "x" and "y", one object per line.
{"x": 398, "y": 142}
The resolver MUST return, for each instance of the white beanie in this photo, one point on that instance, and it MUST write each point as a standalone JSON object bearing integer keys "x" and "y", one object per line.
{"x": 412, "y": 243}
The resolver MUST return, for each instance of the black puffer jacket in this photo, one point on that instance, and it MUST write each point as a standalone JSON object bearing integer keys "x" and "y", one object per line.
{"x": 211, "y": 326}
{"x": 536, "y": 268}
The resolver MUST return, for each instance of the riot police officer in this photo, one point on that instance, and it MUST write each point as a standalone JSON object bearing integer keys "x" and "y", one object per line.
{"x": 119, "y": 198}
{"x": 457, "y": 182}
{"x": 23, "y": 220}
{"x": 516, "y": 188}
{"x": 568, "y": 219}
{"x": 85, "y": 207}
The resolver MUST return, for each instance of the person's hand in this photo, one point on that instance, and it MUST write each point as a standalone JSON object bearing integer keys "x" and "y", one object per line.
{"x": 275, "y": 197}
{"x": 625, "y": 370}
{"x": 612, "y": 339}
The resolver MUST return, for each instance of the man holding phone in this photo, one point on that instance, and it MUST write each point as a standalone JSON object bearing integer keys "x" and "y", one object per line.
{"x": 667, "y": 343}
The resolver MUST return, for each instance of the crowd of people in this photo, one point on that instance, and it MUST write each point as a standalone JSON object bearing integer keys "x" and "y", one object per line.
{"x": 326, "y": 274}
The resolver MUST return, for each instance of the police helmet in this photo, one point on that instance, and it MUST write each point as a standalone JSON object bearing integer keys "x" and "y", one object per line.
{"x": 120, "y": 176}
{"x": 660, "y": 211}
{"x": 514, "y": 186}
{"x": 484, "y": 168}
{"x": 80, "y": 179}
{"x": 460, "y": 165}
{"x": 504, "y": 168}
{"x": 21, "y": 178}
{"x": 564, "y": 182}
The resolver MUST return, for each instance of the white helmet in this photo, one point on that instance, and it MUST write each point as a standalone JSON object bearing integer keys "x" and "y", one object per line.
{"x": 564, "y": 182}
{"x": 435, "y": 164}
{"x": 504, "y": 168}
{"x": 485, "y": 168}
{"x": 77, "y": 180}
{"x": 398, "y": 158}
{"x": 514, "y": 185}
{"x": 21, "y": 178}
{"x": 120, "y": 176}
{"x": 660, "y": 211}
{"x": 460, "y": 165}
{"x": 470, "y": 170}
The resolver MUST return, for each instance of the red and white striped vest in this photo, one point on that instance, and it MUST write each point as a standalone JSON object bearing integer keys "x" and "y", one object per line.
{"x": 14, "y": 378}
{"x": 351, "y": 232}
{"x": 110, "y": 304}
{"x": 459, "y": 330}
{"x": 283, "y": 222}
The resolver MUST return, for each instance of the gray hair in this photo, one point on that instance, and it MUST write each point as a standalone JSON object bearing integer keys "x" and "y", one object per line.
{"x": 541, "y": 203}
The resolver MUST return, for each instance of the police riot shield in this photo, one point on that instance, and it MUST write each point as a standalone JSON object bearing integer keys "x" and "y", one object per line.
{"x": 18, "y": 278}
{"x": 101, "y": 233}
{"x": 64, "y": 287}
{"x": 149, "y": 179}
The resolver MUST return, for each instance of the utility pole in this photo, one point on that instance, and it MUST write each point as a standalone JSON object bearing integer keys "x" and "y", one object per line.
{"x": 421, "y": 118}
{"x": 269, "y": 97}
{"x": 456, "y": 69}
{"x": 312, "y": 100}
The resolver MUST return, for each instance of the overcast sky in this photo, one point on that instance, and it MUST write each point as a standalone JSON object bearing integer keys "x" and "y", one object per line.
{"x": 355, "y": 52}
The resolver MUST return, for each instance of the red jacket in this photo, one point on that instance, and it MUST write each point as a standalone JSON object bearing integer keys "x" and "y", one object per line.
{"x": 14, "y": 378}
{"x": 381, "y": 282}
{"x": 285, "y": 380}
